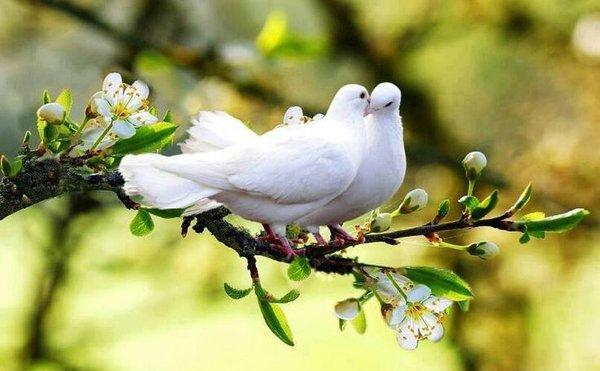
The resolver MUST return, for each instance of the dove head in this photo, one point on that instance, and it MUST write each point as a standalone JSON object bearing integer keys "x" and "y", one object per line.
{"x": 385, "y": 98}
{"x": 351, "y": 101}
{"x": 293, "y": 116}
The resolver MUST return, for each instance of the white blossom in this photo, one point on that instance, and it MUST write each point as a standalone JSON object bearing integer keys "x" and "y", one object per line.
{"x": 413, "y": 201}
{"x": 123, "y": 106}
{"x": 484, "y": 250}
{"x": 53, "y": 113}
{"x": 474, "y": 162}
{"x": 408, "y": 308}
{"x": 347, "y": 309}
{"x": 381, "y": 222}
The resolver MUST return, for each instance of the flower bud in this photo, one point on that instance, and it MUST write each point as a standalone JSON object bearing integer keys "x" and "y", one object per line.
{"x": 347, "y": 309}
{"x": 484, "y": 250}
{"x": 474, "y": 163}
{"x": 52, "y": 113}
{"x": 413, "y": 201}
{"x": 381, "y": 222}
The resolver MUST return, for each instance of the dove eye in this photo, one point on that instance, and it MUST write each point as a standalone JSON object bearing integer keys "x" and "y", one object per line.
{"x": 389, "y": 104}
{"x": 362, "y": 95}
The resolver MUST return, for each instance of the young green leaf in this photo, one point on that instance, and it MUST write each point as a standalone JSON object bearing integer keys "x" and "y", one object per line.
{"x": 234, "y": 293}
{"x": 147, "y": 139}
{"x": 46, "y": 97}
{"x": 141, "y": 224}
{"x": 26, "y": 138}
{"x": 16, "y": 166}
{"x": 485, "y": 206}
{"x": 342, "y": 324}
{"x": 443, "y": 209}
{"x": 287, "y": 298}
{"x": 522, "y": 200}
{"x": 360, "y": 322}
{"x": 470, "y": 202}
{"x": 556, "y": 223}
{"x": 65, "y": 99}
{"x": 165, "y": 213}
{"x": 168, "y": 117}
{"x": 525, "y": 238}
{"x": 299, "y": 269}
{"x": 464, "y": 305}
{"x": 274, "y": 318}
{"x": 5, "y": 166}
{"x": 442, "y": 282}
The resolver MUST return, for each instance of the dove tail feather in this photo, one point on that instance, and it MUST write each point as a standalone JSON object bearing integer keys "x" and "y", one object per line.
{"x": 212, "y": 131}
{"x": 160, "y": 188}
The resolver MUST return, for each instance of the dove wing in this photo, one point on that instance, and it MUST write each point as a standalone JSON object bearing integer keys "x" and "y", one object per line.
{"x": 297, "y": 171}
{"x": 300, "y": 165}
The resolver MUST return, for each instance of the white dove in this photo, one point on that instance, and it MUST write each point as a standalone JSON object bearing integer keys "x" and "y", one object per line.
{"x": 274, "y": 179}
{"x": 380, "y": 174}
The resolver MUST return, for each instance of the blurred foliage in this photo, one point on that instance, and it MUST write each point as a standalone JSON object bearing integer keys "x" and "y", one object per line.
{"x": 516, "y": 79}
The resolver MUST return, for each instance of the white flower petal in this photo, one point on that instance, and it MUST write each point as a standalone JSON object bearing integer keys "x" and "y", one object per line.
{"x": 437, "y": 304}
{"x": 347, "y": 309}
{"x": 112, "y": 82}
{"x": 418, "y": 293}
{"x": 123, "y": 129}
{"x": 142, "y": 118}
{"x": 142, "y": 89}
{"x": 395, "y": 317}
{"x": 103, "y": 107}
{"x": 437, "y": 332}
{"x": 406, "y": 339}
{"x": 92, "y": 132}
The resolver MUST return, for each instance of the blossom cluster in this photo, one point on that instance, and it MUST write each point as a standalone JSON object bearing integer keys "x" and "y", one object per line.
{"x": 409, "y": 308}
{"x": 116, "y": 111}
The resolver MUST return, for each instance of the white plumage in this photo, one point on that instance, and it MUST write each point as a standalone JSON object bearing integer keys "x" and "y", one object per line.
{"x": 273, "y": 179}
{"x": 381, "y": 172}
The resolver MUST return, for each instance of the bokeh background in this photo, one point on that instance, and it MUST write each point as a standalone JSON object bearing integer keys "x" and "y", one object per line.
{"x": 516, "y": 79}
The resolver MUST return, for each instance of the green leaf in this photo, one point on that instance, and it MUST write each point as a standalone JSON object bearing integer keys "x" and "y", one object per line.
{"x": 442, "y": 282}
{"x": 147, "y": 138}
{"x": 299, "y": 269}
{"x": 234, "y": 293}
{"x": 168, "y": 117}
{"x": 46, "y": 97}
{"x": 537, "y": 215}
{"x": 141, "y": 224}
{"x": 470, "y": 202}
{"x": 522, "y": 200}
{"x": 16, "y": 166}
{"x": 49, "y": 132}
{"x": 525, "y": 238}
{"x": 287, "y": 298}
{"x": 556, "y": 223}
{"x": 485, "y": 206}
{"x": 165, "y": 213}
{"x": 65, "y": 99}
{"x": 342, "y": 324}
{"x": 274, "y": 318}
{"x": 443, "y": 209}
{"x": 26, "y": 138}
{"x": 360, "y": 322}
{"x": 464, "y": 305}
{"x": 5, "y": 166}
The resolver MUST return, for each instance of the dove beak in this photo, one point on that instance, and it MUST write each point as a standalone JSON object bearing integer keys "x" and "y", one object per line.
{"x": 368, "y": 108}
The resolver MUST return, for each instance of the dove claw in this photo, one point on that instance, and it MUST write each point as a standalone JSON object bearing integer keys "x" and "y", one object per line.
{"x": 320, "y": 240}
{"x": 340, "y": 236}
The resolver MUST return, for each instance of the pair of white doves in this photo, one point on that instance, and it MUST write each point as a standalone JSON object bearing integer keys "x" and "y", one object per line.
{"x": 330, "y": 170}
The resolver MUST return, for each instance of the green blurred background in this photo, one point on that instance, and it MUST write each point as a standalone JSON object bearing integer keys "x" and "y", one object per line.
{"x": 516, "y": 79}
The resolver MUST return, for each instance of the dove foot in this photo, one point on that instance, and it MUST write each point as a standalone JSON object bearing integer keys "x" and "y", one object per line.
{"x": 285, "y": 247}
{"x": 320, "y": 240}
{"x": 340, "y": 236}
